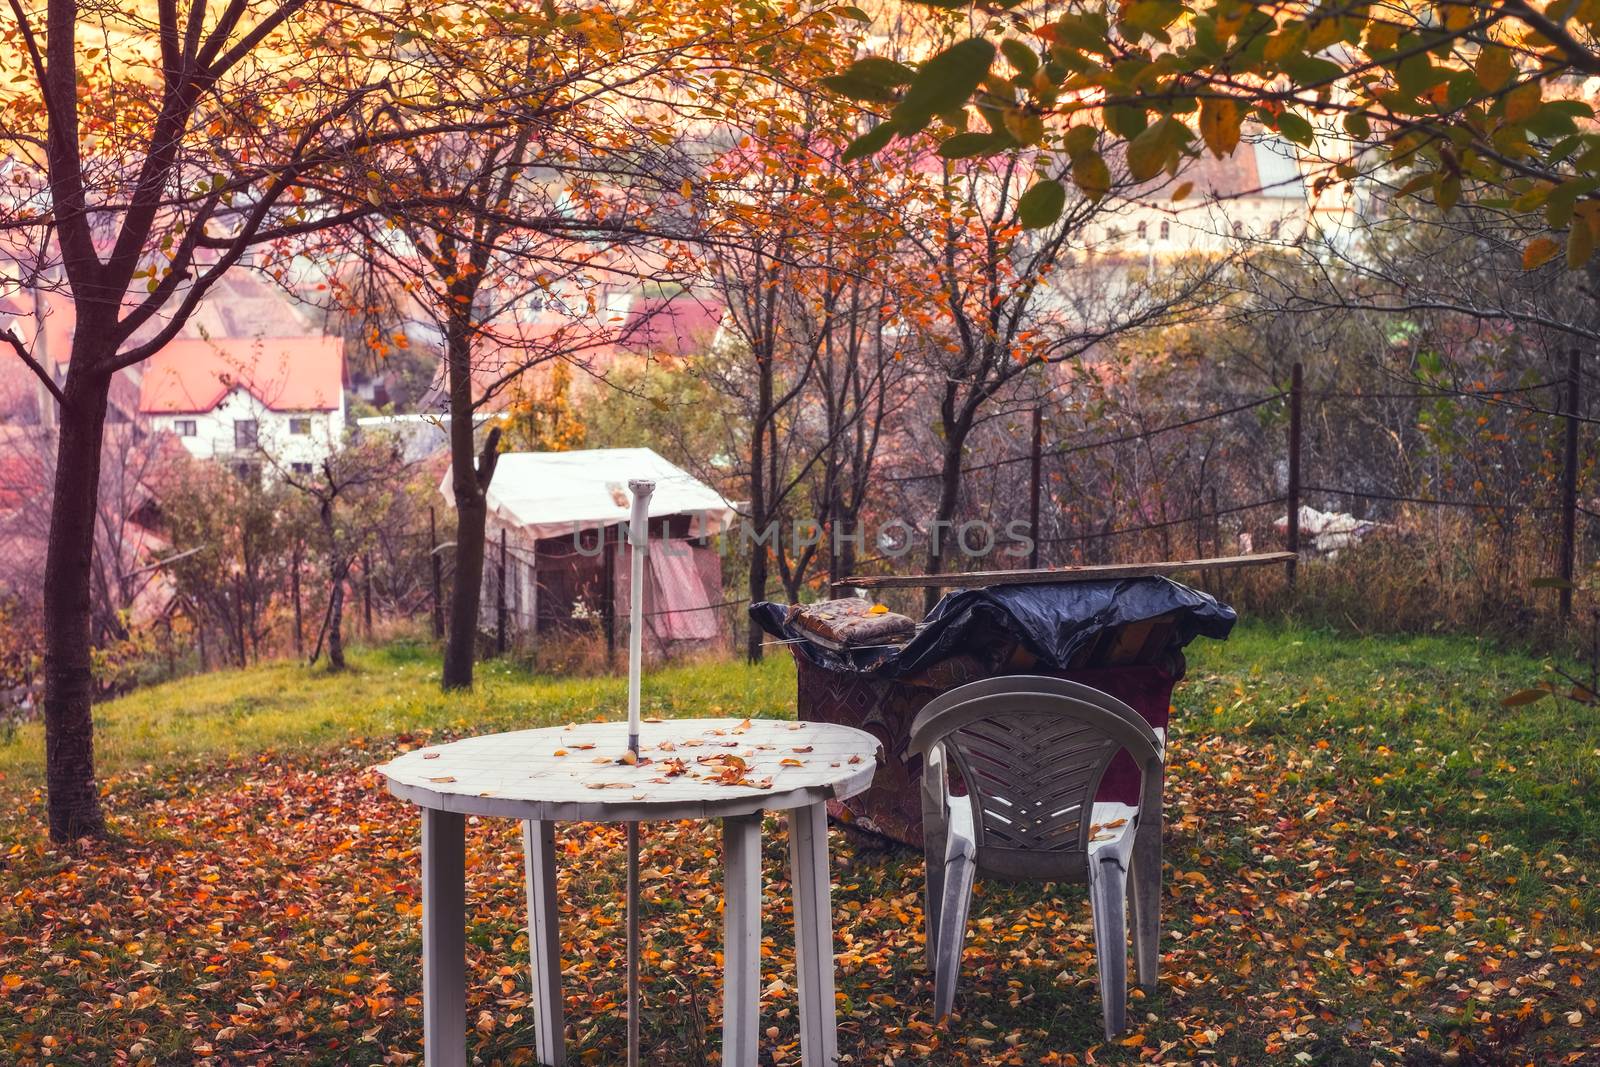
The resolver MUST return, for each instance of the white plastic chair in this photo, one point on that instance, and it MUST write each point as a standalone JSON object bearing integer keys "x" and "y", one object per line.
{"x": 1032, "y": 751}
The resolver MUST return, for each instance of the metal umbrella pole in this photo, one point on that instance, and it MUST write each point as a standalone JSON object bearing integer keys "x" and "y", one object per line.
{"x": 639, "y": 540}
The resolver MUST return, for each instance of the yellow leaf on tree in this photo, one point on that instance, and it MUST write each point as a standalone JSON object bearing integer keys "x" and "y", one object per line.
{"x": 1539, "y": 251}
{"x": 1523, "y": 101}
{"x": 1219, "y": 125}
{"x": 1494, "y": 68}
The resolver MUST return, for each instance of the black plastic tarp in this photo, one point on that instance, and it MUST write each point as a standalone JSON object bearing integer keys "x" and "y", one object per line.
{"x": 1053, "y": 621}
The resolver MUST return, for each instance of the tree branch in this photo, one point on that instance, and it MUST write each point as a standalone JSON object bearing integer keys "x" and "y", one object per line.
{"x": 10, "y": 337}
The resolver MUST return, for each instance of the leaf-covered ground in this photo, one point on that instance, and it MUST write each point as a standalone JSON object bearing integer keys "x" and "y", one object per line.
{"x": 1368, "y": 861}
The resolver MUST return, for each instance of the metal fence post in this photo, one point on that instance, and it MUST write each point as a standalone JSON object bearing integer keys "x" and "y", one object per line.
{"x": 1569, "y": 486}
{"x": 1296, "y": 393}
{"x": 1033, "y": 510}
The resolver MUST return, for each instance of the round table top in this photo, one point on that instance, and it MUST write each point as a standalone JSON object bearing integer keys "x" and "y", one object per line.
{"x": 687, "y": 769}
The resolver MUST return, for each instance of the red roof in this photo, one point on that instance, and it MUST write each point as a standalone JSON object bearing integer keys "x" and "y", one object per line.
{"x": 284, "y": 373}
{"x": 677, "y": 326}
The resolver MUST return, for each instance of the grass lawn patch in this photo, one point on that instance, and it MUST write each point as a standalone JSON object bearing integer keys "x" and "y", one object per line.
{"x": 1368, "y": 860}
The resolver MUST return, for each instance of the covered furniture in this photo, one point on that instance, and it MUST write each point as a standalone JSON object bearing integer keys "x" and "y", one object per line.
{"x": 1124, "y": 637}
{"x": 1031, "y": 753}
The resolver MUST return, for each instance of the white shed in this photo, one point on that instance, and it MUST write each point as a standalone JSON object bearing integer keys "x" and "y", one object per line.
{"x": 562, "y": 519}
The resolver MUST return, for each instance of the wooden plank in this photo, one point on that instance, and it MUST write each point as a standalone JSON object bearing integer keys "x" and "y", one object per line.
{"x": 1093, "y": 573}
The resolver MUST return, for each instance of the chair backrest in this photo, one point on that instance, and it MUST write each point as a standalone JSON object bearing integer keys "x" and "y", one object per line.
{"x": 1032, "y": 751}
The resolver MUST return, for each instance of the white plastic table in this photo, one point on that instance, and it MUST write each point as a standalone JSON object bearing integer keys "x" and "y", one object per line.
{"x": 689, "y": 769}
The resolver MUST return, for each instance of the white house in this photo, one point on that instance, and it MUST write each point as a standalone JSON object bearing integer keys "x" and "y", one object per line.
{"x": 252, "y": 402}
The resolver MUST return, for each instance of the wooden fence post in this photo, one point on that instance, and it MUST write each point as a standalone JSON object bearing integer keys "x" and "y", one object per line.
{"x": 294, "y": 585}
{"x": 1296, "y": 393}
{"x": 500, "y": 600}
{"x": 1569, "y": 486}
{"x": 1037, "y": 459}
{"x": 366, "y": 594}
{"x": 1216, "y": 539}
{"x": 438, "y": 577}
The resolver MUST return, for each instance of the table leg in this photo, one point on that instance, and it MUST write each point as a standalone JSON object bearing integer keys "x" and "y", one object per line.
{"x": 741, "y": 949}
{"x": 813, "y": 934}
{"x": 544, "y": 942}
{"x": 444, "y": 939}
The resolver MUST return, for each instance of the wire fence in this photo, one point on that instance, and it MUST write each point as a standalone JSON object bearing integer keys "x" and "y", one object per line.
{"x": 1096, "y": 538}
{"x": 1203, "y": 515}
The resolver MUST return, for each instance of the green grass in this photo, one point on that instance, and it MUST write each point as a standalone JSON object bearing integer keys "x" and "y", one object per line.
{"x": 1368, "y": 860}
{"x": 1418, "y": 721}
{"x": 288, "y": 707}
{"x": 1419, "y": 715}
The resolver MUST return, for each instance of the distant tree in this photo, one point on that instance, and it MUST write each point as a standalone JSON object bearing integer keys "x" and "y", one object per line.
{"x": 232, "y": 544}
{"x": 354, "y": 494}
{"x": 1009, "y": 300}
{"x": 542, "y": 416}
{"x": 131, "y": 474}
{"x": 805, "y": 266}
{"x": 507, "y": 239}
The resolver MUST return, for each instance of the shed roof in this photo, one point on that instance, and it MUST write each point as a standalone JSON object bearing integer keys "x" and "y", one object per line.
{"x": 554, "y": 494}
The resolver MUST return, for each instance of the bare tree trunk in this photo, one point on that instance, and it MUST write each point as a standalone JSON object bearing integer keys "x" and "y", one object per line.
{"x": 758, "y": 504}
{"x": 945, "y": 512}
{"x": 336, "y": 620}
{"x": 338, "y": 568}
{"x": 470, "y": 483}
{"x": 73, "y": 801}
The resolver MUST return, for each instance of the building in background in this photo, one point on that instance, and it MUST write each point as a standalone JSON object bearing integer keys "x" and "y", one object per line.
{"x": 1257, "y": 196}
{"x": 256, "y": 403}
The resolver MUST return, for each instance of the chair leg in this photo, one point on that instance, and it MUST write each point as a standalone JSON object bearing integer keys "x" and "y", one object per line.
{"x": 958, "y": 874}
{"x": 544, "y": 942}
{"x": 1108, "y": 903}
{"x": 1145, "y": 890}
{"x": 933, "y": 901}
